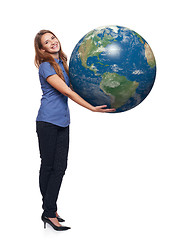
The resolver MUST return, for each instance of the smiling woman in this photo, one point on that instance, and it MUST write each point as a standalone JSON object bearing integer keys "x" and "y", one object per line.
{"x": 46, "y": 45}
{"x": 50, "y": 44}
{"x": 52, "y": 122}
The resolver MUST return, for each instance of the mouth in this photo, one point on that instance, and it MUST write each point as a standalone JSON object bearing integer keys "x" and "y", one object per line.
{"x": 54, "y": 46}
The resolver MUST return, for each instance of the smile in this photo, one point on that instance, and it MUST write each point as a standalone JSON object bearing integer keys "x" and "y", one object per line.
{"x": 55, "y": 46}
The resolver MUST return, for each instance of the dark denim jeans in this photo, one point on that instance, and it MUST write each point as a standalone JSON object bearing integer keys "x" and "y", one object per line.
{"x": 53, "y": 146}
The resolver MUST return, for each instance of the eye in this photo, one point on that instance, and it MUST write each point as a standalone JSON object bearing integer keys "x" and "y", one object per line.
{"x": 53, "y": 37}
{"x": 46, "y": 42}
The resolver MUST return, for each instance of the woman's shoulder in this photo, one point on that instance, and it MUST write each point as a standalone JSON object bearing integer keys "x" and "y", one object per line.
{"x": 43, "y": 65}
{"x": 45, "y": 69}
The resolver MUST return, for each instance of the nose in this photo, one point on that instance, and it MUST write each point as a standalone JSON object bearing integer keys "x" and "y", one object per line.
{"x": 54, "y": 40}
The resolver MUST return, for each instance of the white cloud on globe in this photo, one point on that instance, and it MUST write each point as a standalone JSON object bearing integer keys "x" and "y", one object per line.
{"x": 113, "y": 50}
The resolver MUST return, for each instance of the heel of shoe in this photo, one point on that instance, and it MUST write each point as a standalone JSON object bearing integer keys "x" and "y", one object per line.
{"x": 44, "y": 224}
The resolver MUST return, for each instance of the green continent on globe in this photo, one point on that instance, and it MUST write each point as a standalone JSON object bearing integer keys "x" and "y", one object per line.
{"x": 119, "y": 88}
{"x": 91, "y": 46}
{"x": 149, "y": 56}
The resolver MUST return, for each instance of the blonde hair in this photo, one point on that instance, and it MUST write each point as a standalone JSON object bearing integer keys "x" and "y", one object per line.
{"x": 46, "y": 57}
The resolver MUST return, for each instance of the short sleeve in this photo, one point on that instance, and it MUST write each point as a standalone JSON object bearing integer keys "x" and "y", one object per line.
{"x": 46, "y": 70}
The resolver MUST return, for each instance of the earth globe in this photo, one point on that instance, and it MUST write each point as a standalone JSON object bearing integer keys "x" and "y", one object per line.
{"x": 113, "y": 66}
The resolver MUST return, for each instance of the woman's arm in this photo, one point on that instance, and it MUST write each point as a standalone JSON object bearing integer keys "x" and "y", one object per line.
{"x": 62, "y": 87}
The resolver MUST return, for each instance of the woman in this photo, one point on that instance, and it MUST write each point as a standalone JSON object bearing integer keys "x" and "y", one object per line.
{"x": 52, "y": 123}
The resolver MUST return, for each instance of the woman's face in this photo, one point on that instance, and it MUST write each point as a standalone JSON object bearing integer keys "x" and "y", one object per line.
{"x": 50, "y": 43}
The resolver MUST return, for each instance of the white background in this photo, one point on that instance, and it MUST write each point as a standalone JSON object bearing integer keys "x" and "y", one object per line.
{"x": 117, "y": 182}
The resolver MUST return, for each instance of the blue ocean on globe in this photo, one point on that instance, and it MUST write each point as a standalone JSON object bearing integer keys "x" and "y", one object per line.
{"x": 112, "y": 65}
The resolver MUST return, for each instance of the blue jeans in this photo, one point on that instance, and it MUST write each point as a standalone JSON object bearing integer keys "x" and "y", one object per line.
{"x": 53, "y": 145}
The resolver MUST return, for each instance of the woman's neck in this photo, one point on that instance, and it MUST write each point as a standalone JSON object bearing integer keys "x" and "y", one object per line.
{"x": 55, "y": 55}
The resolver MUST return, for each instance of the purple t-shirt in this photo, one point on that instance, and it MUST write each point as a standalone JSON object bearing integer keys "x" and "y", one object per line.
{"x": 54, "y": 105}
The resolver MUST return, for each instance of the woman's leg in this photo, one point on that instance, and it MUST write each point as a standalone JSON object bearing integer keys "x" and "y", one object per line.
{"x": 53, "y": 145}
{"x": 59, "y": 168}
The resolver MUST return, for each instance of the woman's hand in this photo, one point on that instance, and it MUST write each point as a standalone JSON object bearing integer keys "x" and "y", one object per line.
{"x": 103, "y": 109}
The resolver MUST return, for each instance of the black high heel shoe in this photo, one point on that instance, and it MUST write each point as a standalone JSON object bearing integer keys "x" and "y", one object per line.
{"x": 47, "y": 220}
